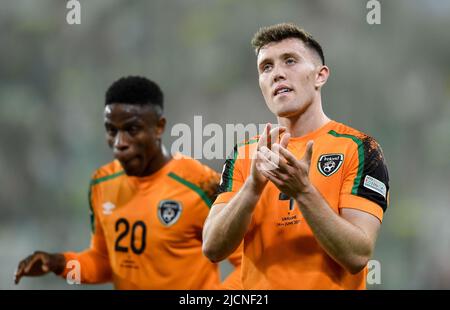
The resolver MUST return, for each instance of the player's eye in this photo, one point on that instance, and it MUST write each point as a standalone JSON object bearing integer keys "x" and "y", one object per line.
{"x": 290, "y": 61}
{"x": 133, "y": 130}
{"x": 267, "y": 67}
{"x": 111, "y": 131}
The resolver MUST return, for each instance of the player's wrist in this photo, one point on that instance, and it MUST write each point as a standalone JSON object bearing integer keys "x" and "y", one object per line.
{"x": 58, "y": 263}
{"x": 305, "y": 193}
{"x": 254, "y": 186}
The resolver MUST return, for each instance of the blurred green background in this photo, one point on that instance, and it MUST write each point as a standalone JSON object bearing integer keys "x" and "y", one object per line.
{"x": 391, "y": 81}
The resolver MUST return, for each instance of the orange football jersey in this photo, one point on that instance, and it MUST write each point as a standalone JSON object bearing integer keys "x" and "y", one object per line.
{"x": 147, "y": 232}
{"x": 280, "y": 250}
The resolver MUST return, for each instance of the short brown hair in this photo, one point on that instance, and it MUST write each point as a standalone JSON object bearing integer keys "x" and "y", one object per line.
{"x": 279, "y": 32}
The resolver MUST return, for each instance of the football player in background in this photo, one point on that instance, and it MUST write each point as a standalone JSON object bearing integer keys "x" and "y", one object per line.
{"x": 147, "y": 206}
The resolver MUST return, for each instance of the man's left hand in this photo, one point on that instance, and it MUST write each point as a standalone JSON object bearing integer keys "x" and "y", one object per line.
{"x": 290, "y": 175}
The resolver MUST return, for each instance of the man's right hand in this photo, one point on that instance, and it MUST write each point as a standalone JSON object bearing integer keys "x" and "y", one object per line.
{"x": 269, "y": 137}
{"x": 38, "y": 264}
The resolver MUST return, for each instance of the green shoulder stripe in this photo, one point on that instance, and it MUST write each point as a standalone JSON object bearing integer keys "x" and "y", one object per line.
{"x": 360, "y": 157}
{"x": 106, "y": 178}
{"x": 91, "y": 210}
{"x": 193, "y": 187}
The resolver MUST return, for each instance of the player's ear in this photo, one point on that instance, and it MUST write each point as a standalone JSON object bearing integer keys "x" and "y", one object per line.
{"x": 322, "y": 76}
{"x": 160, "y": 126}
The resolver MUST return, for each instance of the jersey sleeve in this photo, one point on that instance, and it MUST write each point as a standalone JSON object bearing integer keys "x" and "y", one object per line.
{"x": 366, "y": 180}
{"x": 94, "y": 261}
{"x": 232, "y": 177}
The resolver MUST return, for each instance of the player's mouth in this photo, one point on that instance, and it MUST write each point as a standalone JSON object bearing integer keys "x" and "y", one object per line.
{"x": 128, "y": 162}
{"x": 132, "y": 167}
{"x": 281, "y": 90}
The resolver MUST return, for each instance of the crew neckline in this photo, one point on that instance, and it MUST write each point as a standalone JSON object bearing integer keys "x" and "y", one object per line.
{"x": 314, "y": 134}
{"x": 161, "y": 171}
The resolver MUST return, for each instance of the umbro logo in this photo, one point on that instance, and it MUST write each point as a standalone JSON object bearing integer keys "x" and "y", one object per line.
{"x": 108, "y": 207}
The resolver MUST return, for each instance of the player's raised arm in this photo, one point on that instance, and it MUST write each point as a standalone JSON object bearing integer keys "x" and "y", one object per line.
{"x": 227, "y": 223}
{"x": 349, "y": 238}
{"x": 234, "y": 280}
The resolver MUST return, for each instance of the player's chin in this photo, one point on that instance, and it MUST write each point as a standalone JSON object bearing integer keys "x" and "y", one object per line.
{"x": 132, "y": 170}
{"x": 287, "y": 109}
{"x": 286, "y": 112}
{"x": 281, "y": 109}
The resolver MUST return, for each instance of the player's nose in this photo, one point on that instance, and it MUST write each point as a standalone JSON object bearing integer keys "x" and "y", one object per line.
{"x": 278, "y": 74}
{"x": 120, "y": 143}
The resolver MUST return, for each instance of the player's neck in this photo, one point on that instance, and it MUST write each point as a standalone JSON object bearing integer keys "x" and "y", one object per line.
{"x": 158, "y": 161}
{"x": 308, "y": 121}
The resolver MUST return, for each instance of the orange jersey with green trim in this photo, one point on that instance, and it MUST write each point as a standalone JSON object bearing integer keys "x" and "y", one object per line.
{"x": 280, "y": 250}
{"x": 147, "y": 232}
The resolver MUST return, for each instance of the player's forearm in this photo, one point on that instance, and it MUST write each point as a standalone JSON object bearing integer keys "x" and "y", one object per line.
{"x": 225, "y": 230}
{"x": 93, "y": 266}
{"x": 346, "y": 243}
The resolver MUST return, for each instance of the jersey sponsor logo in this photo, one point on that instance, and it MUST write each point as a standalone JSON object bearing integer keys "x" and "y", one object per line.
{"x": 283, "y": 196}
{"x": 328, "y": 164}
{"x": 289, "y": 219}
{"x": 108, "y": 207}
{"x": 375, "y": 185}
{"x": 169, "y": 212}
